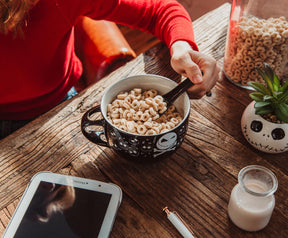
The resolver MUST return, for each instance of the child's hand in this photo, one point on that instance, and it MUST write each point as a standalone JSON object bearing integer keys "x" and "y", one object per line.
{"x": 200, "y": 68}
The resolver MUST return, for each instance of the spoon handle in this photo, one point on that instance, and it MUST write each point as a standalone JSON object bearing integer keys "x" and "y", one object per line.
{"x": 177, "y": 91}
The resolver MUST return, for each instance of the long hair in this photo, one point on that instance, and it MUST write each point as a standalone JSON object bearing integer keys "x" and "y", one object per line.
{"x": 13, "y": 13}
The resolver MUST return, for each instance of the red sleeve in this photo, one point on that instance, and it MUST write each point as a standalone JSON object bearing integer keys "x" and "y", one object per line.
{"x": 166, "y": 19}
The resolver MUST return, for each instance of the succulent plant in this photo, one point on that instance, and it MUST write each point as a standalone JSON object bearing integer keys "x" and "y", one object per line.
{"x": 271, "y": 98}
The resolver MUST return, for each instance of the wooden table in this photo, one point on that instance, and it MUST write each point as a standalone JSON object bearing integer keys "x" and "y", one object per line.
{"x": 196, "y": 180}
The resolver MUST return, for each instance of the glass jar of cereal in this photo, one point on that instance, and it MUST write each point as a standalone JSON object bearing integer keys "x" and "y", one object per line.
{"x": 258, "y": 33}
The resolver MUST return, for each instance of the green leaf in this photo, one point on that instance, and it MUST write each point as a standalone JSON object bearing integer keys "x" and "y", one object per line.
{"x": 284, "y": 86}
{"x": 276, "y": 83}
{"x": 261, "y": 104}
{"x": 267, "y": 98}
{"x": 256, "y": 96}
{"x": 282, "y": 112}
{"x": 263, "y": 110}
{"x": 283, "y": 97}
{"x": 259, "y": 87}
{"x": 266, "y": 78}
{"x": 268, "y": 70}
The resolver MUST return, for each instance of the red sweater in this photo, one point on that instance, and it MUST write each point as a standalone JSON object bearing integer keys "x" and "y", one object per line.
{"x": 38, "y": 71}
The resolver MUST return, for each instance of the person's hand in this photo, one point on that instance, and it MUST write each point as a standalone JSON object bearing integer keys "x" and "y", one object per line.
{"x": 200, "y": 68}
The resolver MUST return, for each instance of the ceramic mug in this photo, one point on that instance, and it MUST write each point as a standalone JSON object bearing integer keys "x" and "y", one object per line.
{"x": 130, "y": 145}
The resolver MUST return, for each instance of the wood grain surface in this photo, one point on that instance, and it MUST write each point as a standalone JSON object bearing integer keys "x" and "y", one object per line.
{"x": 196, "y": 180}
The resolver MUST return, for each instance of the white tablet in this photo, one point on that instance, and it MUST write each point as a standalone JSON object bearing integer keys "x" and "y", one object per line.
{"x": 55, "y": 205}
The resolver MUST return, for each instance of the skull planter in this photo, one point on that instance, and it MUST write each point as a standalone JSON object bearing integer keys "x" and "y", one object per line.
{"x": 264, "y": 135}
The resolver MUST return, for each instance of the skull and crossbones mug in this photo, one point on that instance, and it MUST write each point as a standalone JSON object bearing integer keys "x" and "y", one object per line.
{"x": 129, "y": 145}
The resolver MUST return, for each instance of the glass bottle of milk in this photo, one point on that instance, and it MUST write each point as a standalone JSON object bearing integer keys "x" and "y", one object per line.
{"x": 252, "y": 200}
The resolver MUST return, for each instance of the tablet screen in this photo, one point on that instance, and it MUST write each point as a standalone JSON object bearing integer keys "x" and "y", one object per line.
{"x": 63, "y": 211}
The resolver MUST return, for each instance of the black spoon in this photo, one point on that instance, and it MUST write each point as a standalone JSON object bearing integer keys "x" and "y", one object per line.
{"x": 172, "y": 95}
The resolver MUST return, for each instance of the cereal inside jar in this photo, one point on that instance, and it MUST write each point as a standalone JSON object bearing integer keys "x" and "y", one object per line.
{"x": 253, "y": 40}
{"x": 137, "y": 111}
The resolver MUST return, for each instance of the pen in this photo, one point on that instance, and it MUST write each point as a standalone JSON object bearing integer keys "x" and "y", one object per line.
{"x": 179, "y": 224}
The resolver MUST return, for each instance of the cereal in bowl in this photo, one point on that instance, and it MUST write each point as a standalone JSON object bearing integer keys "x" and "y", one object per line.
{"x": 138, "y": 112}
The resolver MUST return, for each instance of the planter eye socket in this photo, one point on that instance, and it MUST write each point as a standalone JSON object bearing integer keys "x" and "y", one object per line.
{"x": 256, "y": 126}
{"x": 278, "y": 134}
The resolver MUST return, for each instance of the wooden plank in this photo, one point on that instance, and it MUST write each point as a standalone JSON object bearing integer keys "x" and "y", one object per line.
{"x": 209, "y": 37}
{"x": 196, "y": 180}
{"x": 200, "y": 189}
{"x": 129, "y": 218}
{"x": 54, "y": 140}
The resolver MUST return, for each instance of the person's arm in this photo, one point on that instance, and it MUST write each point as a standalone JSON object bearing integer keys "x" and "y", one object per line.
{"x": 200, "y": 68}
{"x": 171, "y": 23}
{"x": 166, "y": 19}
